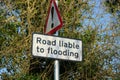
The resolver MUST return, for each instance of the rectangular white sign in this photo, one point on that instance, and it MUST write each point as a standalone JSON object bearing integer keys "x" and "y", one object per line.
{"x": 56, "y": 47}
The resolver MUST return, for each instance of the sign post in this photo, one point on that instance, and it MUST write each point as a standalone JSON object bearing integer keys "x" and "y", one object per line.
{"x": 58, "y": 48}
{"x": 56, "y": 62}
{"x": 56, "y": 70}
{"x": 55, "y": 47}
{"x": 54, "y": 23}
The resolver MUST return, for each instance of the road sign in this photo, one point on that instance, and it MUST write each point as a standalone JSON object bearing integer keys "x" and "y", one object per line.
{"x": 56, "y": 47}
{"x": 54, "y": 21}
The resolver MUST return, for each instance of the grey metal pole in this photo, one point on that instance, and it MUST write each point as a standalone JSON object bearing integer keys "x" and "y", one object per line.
{"x": 56, "y": 62}
{"x": 56, "y": 70}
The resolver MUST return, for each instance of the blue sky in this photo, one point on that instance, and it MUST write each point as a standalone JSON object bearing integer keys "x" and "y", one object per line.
{"x": 100, "y": 16}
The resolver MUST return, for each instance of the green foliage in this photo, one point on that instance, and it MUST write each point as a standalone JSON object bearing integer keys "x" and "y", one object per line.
{"x": 113, "y": 5}
{"x": 29, "y": 77}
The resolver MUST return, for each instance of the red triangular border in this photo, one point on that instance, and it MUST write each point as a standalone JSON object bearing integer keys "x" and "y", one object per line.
{"x": 59, "y": 17}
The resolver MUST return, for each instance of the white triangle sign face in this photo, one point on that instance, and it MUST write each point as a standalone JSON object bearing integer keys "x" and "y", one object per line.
{"x": 54, "y": 21}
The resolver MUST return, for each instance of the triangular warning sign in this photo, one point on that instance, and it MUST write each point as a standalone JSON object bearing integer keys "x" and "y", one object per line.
{"x": 54, "y": 21}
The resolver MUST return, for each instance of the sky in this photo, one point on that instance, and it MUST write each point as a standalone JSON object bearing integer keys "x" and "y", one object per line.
{"x": 99, "y": 14}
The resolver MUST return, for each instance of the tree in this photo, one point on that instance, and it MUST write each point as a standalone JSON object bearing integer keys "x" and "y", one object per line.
{"x": 29, "y": 16}
{"x": 113, "y": 7}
